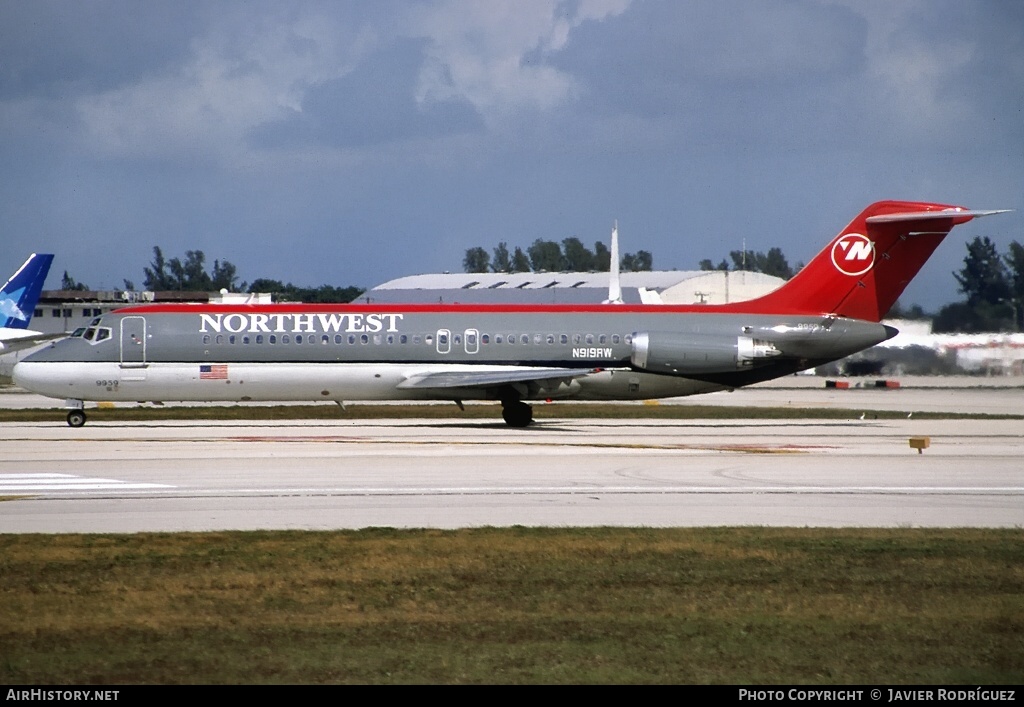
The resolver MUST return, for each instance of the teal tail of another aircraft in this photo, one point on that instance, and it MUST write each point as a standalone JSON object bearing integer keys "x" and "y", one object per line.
{"x": 862, "y": 271}
{"x": 19, "y": 296}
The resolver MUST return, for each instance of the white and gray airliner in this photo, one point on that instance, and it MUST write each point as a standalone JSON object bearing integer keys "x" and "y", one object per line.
{"x": 509, "y": 353}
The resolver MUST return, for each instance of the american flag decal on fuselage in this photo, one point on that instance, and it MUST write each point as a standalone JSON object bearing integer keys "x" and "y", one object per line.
{"x": 217, "y": 371}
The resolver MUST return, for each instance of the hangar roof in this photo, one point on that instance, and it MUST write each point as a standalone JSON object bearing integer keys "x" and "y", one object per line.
{"x": 534, "y": 280}
{"x": 673, "y": 286}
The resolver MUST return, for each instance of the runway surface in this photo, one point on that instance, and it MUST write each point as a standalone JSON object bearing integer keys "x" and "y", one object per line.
{"x": 198, "y": 476}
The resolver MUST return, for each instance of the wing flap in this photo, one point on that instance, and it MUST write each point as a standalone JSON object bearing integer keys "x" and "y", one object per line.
{"x": 485, "y": 379}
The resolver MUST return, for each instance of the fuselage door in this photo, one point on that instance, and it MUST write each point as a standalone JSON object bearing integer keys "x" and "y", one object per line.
{"x": 472, "y": 341}
{"x": 133, "y": 342}
{"x": 444, "y": 341}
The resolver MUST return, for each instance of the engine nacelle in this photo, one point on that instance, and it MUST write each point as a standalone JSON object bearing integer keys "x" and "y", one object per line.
{"x": 691, "y": 354}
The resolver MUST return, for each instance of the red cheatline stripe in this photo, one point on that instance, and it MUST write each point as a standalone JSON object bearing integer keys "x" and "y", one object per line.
{"x": 749, "y": 307}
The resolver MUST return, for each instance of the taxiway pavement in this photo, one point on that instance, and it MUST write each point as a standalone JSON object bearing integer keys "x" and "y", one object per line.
{"x": 199, "y": 476}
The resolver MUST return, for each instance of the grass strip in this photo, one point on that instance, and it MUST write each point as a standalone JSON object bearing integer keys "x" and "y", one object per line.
{"x": 518, "y": 605}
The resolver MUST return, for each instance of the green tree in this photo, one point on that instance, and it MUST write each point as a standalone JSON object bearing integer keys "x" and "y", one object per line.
{"x": 156, "y": 277}
{"x": 476, "y": 260}
{"x": 775, "y": 263}
{"x": 602, "y": 257}
{"x": 502, "y": 261}
{"x": 983, "y": 278}
{"x": 69, "y": 283}
{"x": 637, "y": 262}
{"x": 578, "y": 258}
{"x": 972, "y": 319}
{"x": 771, "y": 263}
{"x": 1015, "y": 263}
{"x": 290, "y": 293}
{"x": 520, "y": 261}
{"x": 189, "y": 275}
{"x": 897, "y": 311}
{"x": 224, "y": 277}
{"x": 706, "y": 264}
{"x": 546, "y": 256}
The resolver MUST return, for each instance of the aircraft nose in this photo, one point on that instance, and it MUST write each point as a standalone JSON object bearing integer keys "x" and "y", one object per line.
{"x": 21, "y": 375}
{"x": 30, "y": 376}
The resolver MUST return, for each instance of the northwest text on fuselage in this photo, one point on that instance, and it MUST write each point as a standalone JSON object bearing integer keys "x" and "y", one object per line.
{"x": 237, "y": 323}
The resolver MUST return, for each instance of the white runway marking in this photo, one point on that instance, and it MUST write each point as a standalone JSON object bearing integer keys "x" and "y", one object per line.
{"x": 37, "y": 483}
{"x": 168, "y": 491}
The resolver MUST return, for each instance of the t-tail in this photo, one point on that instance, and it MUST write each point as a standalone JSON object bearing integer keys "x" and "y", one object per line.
{"x": 862, "y": 272}
{"x": 20, "y": 294}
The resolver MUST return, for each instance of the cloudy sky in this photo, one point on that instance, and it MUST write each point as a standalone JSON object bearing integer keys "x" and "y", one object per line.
{"x": 347, "y": 143}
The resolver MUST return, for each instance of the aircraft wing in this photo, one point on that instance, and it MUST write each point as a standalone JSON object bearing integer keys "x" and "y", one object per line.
{"x": 491, "y": 377}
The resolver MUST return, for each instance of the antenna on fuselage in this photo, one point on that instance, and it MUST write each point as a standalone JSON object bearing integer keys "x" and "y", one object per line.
{"x": 614, "y": 289}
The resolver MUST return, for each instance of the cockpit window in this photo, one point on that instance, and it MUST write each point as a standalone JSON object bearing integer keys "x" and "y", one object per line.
{"x": 96, "y": 335}
{"x": 94, "y": 322}
{"x": 77, "y": 333}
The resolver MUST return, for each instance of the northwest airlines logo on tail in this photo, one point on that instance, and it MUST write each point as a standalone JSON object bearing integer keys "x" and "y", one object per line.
{"x": 853, "y": 254}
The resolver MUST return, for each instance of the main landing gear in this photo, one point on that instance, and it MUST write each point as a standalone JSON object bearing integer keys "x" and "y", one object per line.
{"x": 516, "y": 413}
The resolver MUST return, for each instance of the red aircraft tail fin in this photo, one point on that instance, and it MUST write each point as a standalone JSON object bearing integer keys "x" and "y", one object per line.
{"x": 864, "y": 269}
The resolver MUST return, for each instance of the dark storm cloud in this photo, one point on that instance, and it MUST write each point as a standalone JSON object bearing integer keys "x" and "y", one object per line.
{"x": 989, "y": 79}
{"x": 60, "y": 49}
{"x": 730, "y": 69}
{"x": 373, "y": 104}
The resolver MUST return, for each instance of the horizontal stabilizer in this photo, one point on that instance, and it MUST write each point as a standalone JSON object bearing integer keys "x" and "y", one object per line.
{"x": 484, "y": 379}
{"x": 929, "y": 215}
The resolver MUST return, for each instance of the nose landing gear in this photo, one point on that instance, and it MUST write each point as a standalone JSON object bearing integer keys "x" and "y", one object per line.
{"x": 76, "y": 415}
